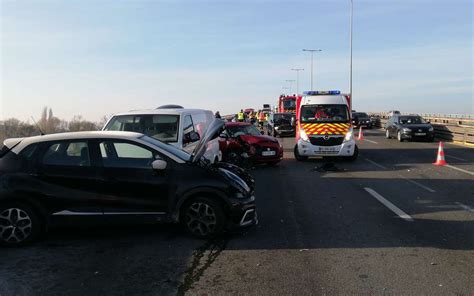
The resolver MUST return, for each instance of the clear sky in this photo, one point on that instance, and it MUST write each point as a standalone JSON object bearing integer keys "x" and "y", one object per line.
{"x": 95, "y": 58}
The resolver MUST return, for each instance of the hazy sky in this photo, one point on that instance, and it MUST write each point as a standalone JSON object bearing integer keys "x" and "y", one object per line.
{"x": 95, "y": 58}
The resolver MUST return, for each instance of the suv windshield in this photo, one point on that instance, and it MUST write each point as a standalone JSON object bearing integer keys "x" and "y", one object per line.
{"x": 239, "y": 130}
{"x": 360, "y": 115}
{"x": 324, "y": 113}
{"x": 161, "y": 127}
{"x": 169, "y": 148}
{"x": 411, "y": 120}
{"x": 282, "y": 118}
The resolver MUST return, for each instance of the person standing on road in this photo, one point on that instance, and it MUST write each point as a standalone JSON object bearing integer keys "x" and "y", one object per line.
{"x": 261, "y": 119}
{"x": 218, "y": 115}
{"x": 241, "y": 116}
{"x": 252, "y": 117}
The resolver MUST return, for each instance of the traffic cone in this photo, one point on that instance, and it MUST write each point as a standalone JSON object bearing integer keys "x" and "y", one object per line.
{"x": 440, "y": 159}
{"x": 361, "y": 135}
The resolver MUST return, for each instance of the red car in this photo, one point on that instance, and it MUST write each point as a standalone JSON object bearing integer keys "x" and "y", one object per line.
{"x": 243, "y": 140}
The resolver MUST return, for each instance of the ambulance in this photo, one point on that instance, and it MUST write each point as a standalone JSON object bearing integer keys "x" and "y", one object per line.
{"x": 323, "y": 126}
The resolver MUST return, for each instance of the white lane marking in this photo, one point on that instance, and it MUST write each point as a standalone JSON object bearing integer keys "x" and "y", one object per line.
{"x": 377, "y": 164}
{"x": 389, "y": 205}
{"x": 455, "y": 157}
{"x": 418, "y": 184}
{"x": 459, "y": 169}
{"x": 467, "y": 208}
{"x": 370, "y": 141}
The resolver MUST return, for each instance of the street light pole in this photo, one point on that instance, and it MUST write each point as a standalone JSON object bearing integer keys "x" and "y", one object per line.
{"x": 350, "y": 37}
{"x": 312, "y": 52}
{"x": 291, "y": 83}
{"x": 297, "y": 78}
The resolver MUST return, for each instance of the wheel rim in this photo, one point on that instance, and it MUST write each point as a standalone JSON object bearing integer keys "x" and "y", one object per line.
{"x": 15, "y": 225}
{"x": 201, "y": 218}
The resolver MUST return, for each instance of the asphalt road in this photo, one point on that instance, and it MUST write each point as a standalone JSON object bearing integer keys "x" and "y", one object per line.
{"x": 389, "y": 223}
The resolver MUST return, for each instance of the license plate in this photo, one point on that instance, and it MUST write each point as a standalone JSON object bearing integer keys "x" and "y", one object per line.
{"x": 268, "y": 153}
{"x": 327, "y": 149}
{"x": 420, "y": 134}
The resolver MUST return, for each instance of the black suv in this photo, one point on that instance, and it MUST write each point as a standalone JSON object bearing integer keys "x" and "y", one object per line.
{"x": 281, "y": 124}
{"x": 408, "y": 127}
{"x": 119, "y": 174}
{"x": 360, "y": 119}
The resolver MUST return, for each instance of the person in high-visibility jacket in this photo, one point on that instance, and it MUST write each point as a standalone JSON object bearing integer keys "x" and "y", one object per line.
{"x": 241, "y": 116}
{"x": 252, "y": 117}
{"x": 261, "y": 118}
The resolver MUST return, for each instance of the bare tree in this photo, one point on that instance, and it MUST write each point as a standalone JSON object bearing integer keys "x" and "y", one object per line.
{"x": 79, "y": 124}
{"x": 48, "y": 123}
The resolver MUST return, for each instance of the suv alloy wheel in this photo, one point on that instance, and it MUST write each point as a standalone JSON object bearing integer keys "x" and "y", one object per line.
{"x": 203, "y": 217}
{"x": 19, "y": 224}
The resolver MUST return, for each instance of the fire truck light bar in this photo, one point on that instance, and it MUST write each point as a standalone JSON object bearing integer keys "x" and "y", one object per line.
{"x": 318, "y": 92}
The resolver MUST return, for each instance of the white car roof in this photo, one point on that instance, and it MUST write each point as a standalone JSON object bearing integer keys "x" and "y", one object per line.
{"x": 162, "y": 111}
{"x": 69, "y": 136}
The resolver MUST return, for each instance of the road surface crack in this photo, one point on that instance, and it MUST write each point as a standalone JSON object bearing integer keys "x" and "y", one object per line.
{"x": 203, "y": 257}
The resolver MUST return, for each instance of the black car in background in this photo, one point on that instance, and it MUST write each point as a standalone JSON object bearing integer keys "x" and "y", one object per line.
{"x": 361, "y": 119}
{"x": 118, "y": 174}
{"x": 375, "y": 120}
{"x": 280, "y": 124}
{"x": 409, "y": 127}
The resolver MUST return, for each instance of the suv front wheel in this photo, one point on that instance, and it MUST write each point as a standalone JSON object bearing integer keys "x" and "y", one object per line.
{"x": 399, "y": 136}
{"x": 203, "y": 217}
{"x": 19, "y": 224}
{"x": 298, "y": 156}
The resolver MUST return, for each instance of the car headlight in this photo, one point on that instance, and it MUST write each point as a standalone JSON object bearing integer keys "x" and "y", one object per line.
{"x": 431, "y": 129}
{"x": 236, "y": 181}
{"x": 303, "y": 135}
{"x": 277, "y": 127}
{"x": 406, "y": 130}
{"x": 349, "y": 136}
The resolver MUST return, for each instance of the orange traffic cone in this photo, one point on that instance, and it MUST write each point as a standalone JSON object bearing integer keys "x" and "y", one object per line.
{"x": 361, "y": 135}
{"x": 440, "y": 159}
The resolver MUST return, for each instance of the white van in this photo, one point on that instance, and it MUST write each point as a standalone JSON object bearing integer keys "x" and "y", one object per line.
{"x": 171, "y": 124}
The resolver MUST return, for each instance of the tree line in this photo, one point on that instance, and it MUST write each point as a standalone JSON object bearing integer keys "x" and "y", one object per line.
{"x": 47, "y": 124}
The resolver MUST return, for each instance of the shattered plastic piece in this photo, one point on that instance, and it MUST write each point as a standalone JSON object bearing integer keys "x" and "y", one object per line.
{"x": 327, "y": 167}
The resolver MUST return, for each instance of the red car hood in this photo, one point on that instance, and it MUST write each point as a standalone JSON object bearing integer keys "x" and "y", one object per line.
{"x": 258, "y": 139}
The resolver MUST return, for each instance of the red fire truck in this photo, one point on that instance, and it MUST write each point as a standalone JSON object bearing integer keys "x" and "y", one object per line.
{"x": 287, "y": 104}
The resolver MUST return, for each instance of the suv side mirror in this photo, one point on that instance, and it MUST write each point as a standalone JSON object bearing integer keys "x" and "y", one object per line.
{"x": 191, "y": 137}
{"x": 159, "y": 164}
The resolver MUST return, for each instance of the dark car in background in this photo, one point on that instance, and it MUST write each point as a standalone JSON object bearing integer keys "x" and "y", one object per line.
{"x": 375, "y": 120}
{"x": 83, "y": 175}
{"x": 280, "y": 124}
{"x": 409, "y": 127}
{"x": 361, "y": 119}
{"x": 243, "y": 142}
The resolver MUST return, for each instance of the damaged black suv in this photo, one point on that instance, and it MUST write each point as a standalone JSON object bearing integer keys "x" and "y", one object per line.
{"x": 118, "y": 174}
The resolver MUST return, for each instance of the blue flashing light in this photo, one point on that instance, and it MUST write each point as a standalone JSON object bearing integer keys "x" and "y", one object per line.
{"x": 318, "y": 92}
